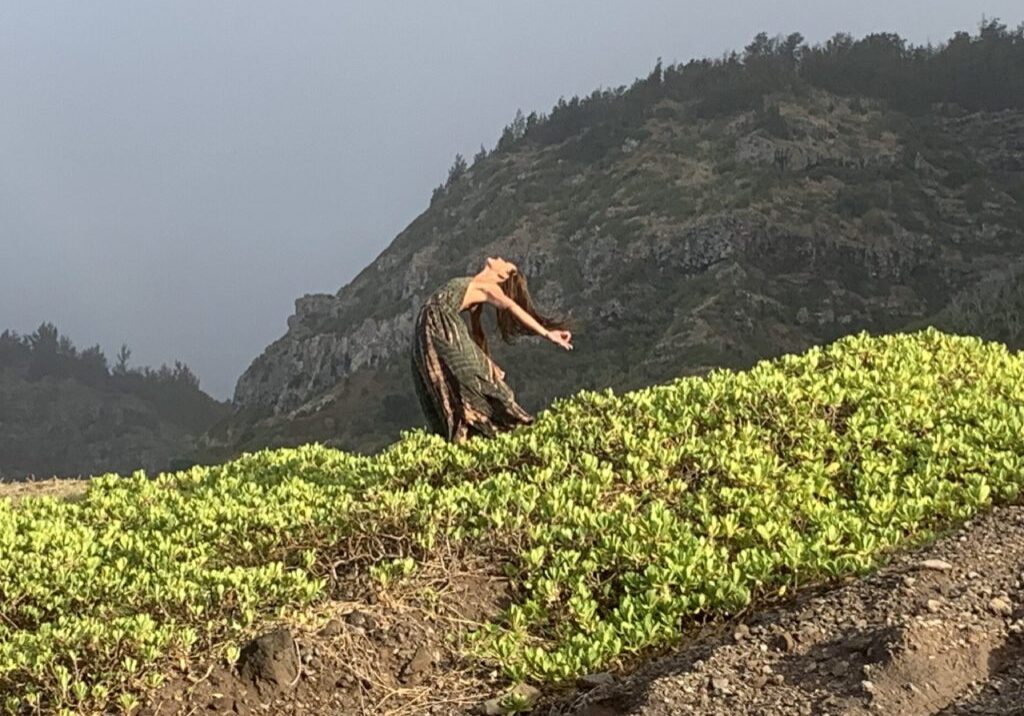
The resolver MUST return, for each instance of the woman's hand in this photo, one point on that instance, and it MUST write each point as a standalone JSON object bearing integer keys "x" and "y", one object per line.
{"x": 496, "y": 372}
{"x": 562, "y": 338}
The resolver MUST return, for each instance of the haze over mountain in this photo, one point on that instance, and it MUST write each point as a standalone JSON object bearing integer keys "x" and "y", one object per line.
{"x": 174, "y": 183}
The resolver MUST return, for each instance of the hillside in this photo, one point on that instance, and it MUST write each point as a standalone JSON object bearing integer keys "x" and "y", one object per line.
{"x": 63, "y": 412}
{"x": 712, "y": 214}
{"x": 433, "y": 576}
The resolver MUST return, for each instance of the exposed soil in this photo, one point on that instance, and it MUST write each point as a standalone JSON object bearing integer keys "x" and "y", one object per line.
{"x": 938, "y": 631}
{"x": 67, "y": 488}
{"x": 399, "y": 654}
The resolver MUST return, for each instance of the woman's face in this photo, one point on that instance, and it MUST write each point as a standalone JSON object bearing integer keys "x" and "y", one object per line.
{"x": 501, "y": 268}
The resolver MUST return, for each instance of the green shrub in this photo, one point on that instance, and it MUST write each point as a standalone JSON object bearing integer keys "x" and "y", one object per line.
{"x": 858, "y": 199}
{"x": 876, "y": 223}
{"x": 619, "y": 519}
{"x": 771, "y": 121}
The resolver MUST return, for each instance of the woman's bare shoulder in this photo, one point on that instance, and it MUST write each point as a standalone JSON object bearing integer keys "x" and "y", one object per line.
{"x": 480, "y": 291}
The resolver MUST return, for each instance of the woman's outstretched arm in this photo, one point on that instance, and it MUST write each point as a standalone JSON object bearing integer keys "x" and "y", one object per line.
{"x": 496, "y": 297}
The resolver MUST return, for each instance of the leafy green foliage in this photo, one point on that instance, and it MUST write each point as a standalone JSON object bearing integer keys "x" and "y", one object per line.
{"x": 619, "y": 519}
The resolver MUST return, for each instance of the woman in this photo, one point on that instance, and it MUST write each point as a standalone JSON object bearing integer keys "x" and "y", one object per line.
{"x": 461, "y": 390}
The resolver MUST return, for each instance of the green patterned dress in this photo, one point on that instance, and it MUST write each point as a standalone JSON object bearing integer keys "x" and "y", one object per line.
{"x": 459, "y": 393}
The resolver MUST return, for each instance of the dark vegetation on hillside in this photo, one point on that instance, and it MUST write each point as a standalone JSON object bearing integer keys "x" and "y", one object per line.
{"x": 994, "y": 308}
{"x": 979, "y": 72}
{"x": 66, "y": 411}
{"x": 46, "y": 353}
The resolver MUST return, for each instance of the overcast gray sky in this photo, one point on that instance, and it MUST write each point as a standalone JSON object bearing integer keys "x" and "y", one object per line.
{"x": 174, "y": 174}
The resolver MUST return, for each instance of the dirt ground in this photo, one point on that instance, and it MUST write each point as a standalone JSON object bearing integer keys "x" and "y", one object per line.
{"x": 53, "y": 487}
{"x": 400, "y": 655}
{"x": 937, "y": 631}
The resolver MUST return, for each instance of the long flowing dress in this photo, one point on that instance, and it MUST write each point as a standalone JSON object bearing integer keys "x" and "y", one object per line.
{"x": 457, "y": 388}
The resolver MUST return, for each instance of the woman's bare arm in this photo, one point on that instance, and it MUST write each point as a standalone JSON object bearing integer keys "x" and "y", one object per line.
{"x": 496, "y": 297}
{"x": 492, "y": 294}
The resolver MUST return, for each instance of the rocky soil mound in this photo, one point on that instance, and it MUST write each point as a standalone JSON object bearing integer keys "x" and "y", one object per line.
{"x": 937, "y": 631}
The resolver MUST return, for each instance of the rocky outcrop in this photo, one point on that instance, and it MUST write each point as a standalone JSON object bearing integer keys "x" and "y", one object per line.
{"x": 308, "y": 362}
{"x": 759, "y": 148}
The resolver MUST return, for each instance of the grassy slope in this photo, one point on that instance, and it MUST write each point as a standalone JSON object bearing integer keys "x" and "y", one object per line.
{"x": 619, "y": 519}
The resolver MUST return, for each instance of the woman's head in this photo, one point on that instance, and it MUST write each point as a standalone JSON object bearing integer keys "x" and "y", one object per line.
{"x": 500, "y": 268}
{"x": 514, "y": 286}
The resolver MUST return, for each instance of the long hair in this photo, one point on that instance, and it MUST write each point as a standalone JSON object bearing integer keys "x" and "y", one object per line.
{"x": 508, "y": 325}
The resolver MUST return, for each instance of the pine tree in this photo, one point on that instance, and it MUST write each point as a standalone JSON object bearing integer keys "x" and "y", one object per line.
{"x": 121, "y": 366}
{"x": 457, "y": 169}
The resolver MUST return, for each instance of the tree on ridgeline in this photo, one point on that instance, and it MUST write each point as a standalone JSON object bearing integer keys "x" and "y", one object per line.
{"x": 480, "y": 156}
{"x": 45, "y": 343}
{"x": 46, "y": 353}
{"x": 92, "y": 366}
{"x": 457, "y": 170}
{"x": 13, "y": 349}
{"x": 977, "y": 72}
{"x": 121, "y": 366}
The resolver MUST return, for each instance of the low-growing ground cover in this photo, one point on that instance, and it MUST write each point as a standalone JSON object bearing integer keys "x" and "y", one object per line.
{"x": 619, "y": 519}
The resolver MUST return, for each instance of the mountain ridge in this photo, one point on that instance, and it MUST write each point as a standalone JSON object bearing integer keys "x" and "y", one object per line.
{"x": 760, "y": 214}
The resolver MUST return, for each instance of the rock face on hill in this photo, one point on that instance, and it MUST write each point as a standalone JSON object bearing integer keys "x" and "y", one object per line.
{"x": 678, "y": 245}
